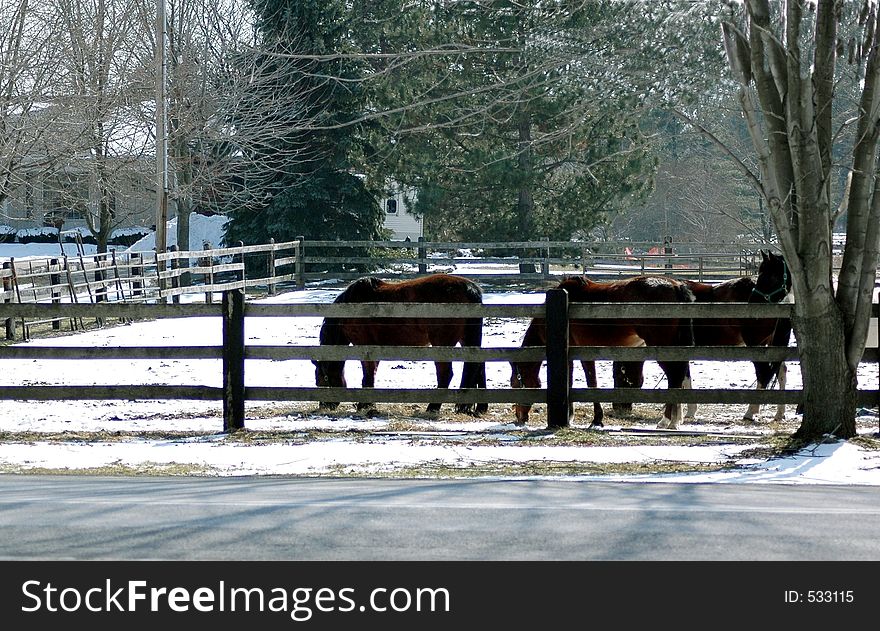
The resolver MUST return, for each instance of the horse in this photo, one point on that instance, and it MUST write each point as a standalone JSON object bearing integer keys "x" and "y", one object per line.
{"x": 772, "y": 285}
{"x": 434, "y": 288}
{"x": 613, "y": 332}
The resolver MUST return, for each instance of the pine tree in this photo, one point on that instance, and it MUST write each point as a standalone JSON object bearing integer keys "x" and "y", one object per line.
{"x": 316, "y": 191}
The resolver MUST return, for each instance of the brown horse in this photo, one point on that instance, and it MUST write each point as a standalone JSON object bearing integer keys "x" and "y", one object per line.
{"x": 772, "y": 285}
{"x": 614, "y": 332}
{"x": 436, "y": 288}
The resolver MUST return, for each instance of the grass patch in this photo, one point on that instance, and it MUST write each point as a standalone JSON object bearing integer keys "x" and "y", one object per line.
{"x": 549, "y": 468}
{"x": 143, "y": 469}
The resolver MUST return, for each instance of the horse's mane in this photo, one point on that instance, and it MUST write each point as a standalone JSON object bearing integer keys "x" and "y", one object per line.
{"x": 361, "y": 290}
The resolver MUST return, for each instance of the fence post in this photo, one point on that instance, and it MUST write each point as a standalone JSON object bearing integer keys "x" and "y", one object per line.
{"x": 558, "y": 364}
{"x": 54, "y": 281}
{"x": 208, "y": 262}
{"x": 545, "y": 258}
{"x": 272, "y": 266}
{"x": 137, "y": 273}
{"x": 100, "y": 278}
{"x": 243, "y": 272}
{"x": 667, "y": 250}
{"x": 233, "y": 360}
{"x": 423, "y": 256}
{"x": 175, "y": 279}
{"x": 299, "y": 267}
{"x": 7, "y": 287}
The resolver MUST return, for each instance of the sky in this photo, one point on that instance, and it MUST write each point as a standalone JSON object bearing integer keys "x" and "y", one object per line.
{"x": 435, "y": 441}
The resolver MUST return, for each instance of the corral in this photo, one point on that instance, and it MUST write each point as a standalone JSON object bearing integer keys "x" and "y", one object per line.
{"x": 274, "y": 388}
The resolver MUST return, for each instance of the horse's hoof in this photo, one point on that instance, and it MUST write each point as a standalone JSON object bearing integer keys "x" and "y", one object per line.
{"x": 595, "y": 425}
{"x": 666, "y": 423}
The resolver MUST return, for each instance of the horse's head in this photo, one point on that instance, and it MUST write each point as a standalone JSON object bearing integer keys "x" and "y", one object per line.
{"x": 329, "y": 374}
{"x": 523, "y": 375}
{"x": 774, "y": 278}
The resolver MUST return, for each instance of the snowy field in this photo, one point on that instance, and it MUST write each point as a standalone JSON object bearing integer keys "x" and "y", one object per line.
{"x": 165, "y": 434}
{"x": 338, "y": 446}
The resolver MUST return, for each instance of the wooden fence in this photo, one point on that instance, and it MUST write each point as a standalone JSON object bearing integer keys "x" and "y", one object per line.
{"x": 529, "y": 261}
{"x": 148, "y": 277}
{"x": 234, "y": 352}
{"x": 137, "y": 277}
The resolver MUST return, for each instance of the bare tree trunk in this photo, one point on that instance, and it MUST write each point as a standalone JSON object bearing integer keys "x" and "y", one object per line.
{"x": 183, "y": 214}
{"x": 790, "y": 124}
{"x": 526, "y": 204}
{"x": 829, "y": 381}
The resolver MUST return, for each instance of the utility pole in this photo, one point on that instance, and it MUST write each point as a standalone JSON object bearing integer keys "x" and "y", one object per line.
{"x": 161, "y": 134}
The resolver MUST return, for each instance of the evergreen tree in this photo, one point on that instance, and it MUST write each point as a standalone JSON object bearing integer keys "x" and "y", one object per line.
{"x": 317, "y": 193}
{"x": 520, "y": 129}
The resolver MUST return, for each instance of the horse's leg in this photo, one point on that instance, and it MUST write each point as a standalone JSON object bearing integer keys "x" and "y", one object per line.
{"x": 590, "y": 373}
{"x": 473, "y": 374}
{"x": 369, "y": 381}
{"x": 444, "y": 378}
{"x": 764, "y": 373}
{"x": 482, "y": 408}
{"x": 676, "y": 373}
{"x": 524, "y": 375}
{"x": 688, "y": 384}
{"x": 780, "y": 379}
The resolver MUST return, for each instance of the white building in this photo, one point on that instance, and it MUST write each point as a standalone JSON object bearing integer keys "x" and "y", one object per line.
{"x": 398, "y": 219}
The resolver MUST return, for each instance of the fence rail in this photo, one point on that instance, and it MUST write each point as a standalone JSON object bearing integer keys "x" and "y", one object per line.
{"x": 136, "y": 277}
{"x": 530, "y": 261}
{"x": 234, "y": 352}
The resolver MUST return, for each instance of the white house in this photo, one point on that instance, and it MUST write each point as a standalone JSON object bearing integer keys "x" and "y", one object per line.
{"x": 398, "y": 219}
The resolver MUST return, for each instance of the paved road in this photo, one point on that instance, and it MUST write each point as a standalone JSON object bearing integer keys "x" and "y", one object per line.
{"x": 275, "y": 518}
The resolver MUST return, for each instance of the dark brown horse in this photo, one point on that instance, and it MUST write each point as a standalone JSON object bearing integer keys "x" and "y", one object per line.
{"x": 614, "y": 332}
{"x": 436, "y": 288}
{"x": 772, "y": 285}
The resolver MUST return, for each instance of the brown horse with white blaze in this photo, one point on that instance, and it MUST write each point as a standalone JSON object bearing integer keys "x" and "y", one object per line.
{"x": 614, "y": 332}
{"x": 435, "y": 288}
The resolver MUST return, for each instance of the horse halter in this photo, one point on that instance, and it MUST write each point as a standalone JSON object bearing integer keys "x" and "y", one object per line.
{"x": 783, "y": 289}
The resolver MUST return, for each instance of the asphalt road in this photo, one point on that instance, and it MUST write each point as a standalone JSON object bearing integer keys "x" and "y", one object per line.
{"x": 277, "y": 518}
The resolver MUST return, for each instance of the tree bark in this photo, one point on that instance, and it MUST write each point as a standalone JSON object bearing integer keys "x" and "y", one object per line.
{"x": 829, "y": 382}
{"x": 526, "y": 202}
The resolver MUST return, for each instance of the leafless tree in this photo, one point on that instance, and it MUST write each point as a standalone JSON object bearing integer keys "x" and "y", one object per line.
{"x": 27, "y": 58}
{"x": 102, "y": 89}
{"x": 797, "y": 66}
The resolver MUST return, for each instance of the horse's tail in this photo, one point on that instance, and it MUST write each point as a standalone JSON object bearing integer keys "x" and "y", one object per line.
{"x": 685, "y": 335}
{"x": 473, "y": 374}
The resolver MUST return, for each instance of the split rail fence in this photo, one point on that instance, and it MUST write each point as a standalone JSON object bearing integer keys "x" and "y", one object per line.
{"x": 558, "y": 353}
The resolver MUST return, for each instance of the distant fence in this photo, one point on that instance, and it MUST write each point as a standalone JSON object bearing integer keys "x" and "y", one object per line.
{"x": 147, "y": 277}
{"x": 529, "y": 261}
{"x": 137, "y": 277}
{"x": 234, "y": 352}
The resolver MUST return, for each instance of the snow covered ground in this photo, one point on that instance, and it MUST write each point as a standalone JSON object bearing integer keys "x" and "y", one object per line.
{"x": 162, "y": 435}
{"x": 186, "y": 434}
